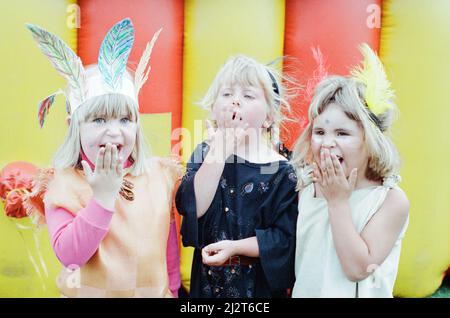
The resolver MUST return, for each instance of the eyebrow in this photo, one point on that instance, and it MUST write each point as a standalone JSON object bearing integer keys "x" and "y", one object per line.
{"x": 94, "y": 116}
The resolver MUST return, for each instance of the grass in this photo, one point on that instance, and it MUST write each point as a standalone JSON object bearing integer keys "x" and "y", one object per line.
{"x": 444, "y": 290}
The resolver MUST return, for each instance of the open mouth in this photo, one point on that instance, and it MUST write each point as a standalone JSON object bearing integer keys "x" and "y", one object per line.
{"x": 119, "y": 146}
{"x": 234, "y": 116}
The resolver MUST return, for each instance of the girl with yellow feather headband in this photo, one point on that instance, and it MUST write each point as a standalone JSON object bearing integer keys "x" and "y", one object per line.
{"x": 107, "y": 206}
{"x": 352, "y": 216}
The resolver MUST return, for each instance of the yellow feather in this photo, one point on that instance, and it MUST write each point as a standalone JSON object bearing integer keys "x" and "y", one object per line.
{"x": 378, "y": 93}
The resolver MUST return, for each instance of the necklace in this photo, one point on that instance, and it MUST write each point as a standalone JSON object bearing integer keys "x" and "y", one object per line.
{"x": 126, "y": 190}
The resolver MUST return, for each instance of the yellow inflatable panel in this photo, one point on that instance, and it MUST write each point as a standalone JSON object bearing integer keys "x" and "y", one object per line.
{"x": 27, "y": 77}
{"x": 156, "y": 129}
{"x": 415, "y": 48}
{"x": 214, "y": 31}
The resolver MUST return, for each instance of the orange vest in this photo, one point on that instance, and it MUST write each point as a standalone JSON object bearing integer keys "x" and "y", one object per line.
{"x": 131, "y": 259}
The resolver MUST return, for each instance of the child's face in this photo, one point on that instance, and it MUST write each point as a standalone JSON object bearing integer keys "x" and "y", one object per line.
{"x": 96, "y": 132}
{"x": 249, "y": 101}
{"x": 333, "y": 130}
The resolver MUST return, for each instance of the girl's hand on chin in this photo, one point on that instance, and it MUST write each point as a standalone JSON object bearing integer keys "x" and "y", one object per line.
{"x": 106, "y": 179}
{"x": 330, "y": 178}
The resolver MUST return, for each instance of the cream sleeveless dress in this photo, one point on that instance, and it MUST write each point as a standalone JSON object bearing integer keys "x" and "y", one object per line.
{"x": 318, "y": 271}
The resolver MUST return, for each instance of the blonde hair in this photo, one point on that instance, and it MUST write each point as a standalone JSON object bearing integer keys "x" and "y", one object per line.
{"x": 384, "y": 160}
{"x": 108, "y": 105}
{"x": 246, "y": 71}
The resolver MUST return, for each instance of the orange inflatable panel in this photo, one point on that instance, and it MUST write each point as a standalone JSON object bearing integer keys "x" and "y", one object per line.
{"x": 337, "y": 27}
{"x": 162, "y": 92}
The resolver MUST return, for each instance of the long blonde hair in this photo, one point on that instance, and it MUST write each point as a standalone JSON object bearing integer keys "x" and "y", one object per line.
{"x": 384, "y": 160}
{"x": 108, "y": 105}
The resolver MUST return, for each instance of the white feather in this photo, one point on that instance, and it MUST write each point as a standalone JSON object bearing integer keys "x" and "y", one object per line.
{"x": 141, "y": 75}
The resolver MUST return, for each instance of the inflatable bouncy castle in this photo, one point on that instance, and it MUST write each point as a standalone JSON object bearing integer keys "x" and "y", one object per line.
{"x": 412, "y": 37}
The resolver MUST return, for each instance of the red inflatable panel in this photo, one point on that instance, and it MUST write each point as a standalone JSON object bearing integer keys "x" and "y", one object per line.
{"x": 163, "y": 91}
{"x": 337, "y": 27}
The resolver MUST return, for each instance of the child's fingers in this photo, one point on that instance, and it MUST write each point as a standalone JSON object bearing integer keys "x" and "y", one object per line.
{"x": 119, "y": 167}
{"x": 206, "y": 254}
{"x": 339, "y": 171}
{"x": 210, "y": 131}
{"x": 237, "y": 118}
{"x": 216, "y": 246}
{"x": 323, "y": 169}
{"x": 228, "y": 118}
{"x": 317, "y": 176}
{"x": 219, "y": 119}
{"x": 114, "y": 158}
{"x": 245, "y": 128}
{"x": 329, "y": 165}
{"x": 215, "y": 260}
{"x": 212, "y": 258}
{"x": 100, "y": 159}
{"x": 314, "y": 173}
{"x": 352, "y": 178}
{"x": 223, "y": 118}
{"x": 240, "y": 133}
{"x": 87, "y": 169}
{"x": 230, "y": 109}
{"x": 211, "y": 247}
{"x": 107, "y": 159}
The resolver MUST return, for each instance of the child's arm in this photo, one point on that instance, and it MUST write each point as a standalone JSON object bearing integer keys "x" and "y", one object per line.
{"x": 185, "y": 199}
{"x": 173, "y": 260}
{"x": 206, "y": 181}
{"x": 222, "y": 144}
{"x": 199, "y": 185}
{"x": 218, "y": 253}
{"x": 359, "y": 253}
{"x": 274, "y": 242}
{"x": 76, "y": 238}
{"x": 247, "y": 247}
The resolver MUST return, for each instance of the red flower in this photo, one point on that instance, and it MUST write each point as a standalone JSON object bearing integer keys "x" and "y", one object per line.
{"x": 15, "y": 182}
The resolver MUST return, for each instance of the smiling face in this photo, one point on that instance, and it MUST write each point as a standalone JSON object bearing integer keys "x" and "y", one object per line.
{"x": 335, "y": 131}
{"x": 98, "y": 130}
{"x": 249, "y": 101}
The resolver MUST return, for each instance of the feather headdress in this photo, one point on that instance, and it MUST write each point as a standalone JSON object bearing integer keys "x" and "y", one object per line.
{"x": 378, "y": 94}
{"x": 109, "y": 78}
{"x": 114, "y": 53}
{"x": 320, "y": 73}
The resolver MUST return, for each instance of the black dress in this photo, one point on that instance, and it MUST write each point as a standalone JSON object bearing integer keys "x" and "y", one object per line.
{"x": 251, "y": 200}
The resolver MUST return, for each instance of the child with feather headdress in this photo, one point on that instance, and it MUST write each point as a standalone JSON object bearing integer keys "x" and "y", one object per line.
{"x": 352, "y": 215}
{"x": 108, "y": 206}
